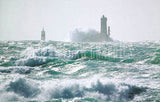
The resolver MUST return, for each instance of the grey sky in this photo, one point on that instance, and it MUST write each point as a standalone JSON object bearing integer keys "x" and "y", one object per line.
{"x": 130, "y": 20}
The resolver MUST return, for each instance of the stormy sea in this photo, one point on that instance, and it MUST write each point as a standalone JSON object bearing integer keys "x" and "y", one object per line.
{"x": 79, "y": 72}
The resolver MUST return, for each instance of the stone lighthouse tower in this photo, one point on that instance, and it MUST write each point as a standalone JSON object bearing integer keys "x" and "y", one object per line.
{"x": 43, "y": 35}
{"x": 105, "y": 35}
{"x": 103, "y": 25}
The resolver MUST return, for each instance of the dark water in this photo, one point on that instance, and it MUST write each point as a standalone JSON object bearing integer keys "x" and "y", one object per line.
{"x": 79, "y": 72}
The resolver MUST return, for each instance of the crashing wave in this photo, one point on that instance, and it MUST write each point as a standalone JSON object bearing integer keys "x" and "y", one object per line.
{"x": 47, "y": 51}
{"x": 23, "y": 88}
{"x": 156, "y": 59}
{"x": 36, "y": 57}
{"x": 97, "y": 56}
{"x": 105, "y": 92}
{"x": 35, "y": 61}
{"x": 20, "y": 70}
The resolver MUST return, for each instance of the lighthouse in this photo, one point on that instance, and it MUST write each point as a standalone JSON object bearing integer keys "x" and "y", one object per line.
{"x": 43, "y": 35}
{"x": 105, "y": 33}
{"x": 103, "y": 25}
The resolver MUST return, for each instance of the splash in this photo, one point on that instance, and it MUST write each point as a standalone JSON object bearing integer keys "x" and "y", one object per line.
{"x": 86, "y": 36}
{"x": 23, "y": 88}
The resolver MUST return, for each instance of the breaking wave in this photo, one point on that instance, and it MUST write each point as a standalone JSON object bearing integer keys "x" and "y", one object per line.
{"x": 21, "y": 87}
{"x": 156, "y": 59}
{"x": 104, "y": 92}
{"x": 96, "y": 56}
{"x": 20, "y": 70}
{"x": 35, "y": 61}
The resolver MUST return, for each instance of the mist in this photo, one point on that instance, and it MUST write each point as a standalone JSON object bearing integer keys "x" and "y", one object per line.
{"x": 90, "y": 35}
{"x": 84, "y": 36}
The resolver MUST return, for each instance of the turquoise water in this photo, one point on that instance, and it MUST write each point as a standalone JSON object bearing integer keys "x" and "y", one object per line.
{"x": 79, "y": 72}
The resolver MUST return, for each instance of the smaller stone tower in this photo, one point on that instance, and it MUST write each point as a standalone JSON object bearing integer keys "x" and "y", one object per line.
{"x": 43, "y": 35}
{"x": 109, "y": 32}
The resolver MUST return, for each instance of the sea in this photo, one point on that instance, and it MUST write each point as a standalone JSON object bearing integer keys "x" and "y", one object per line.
{"x": 55, "y": 71}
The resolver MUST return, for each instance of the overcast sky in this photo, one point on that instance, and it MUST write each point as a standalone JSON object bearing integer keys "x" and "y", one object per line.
{"x": 130, "y": 20}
